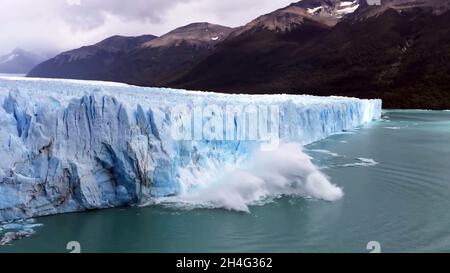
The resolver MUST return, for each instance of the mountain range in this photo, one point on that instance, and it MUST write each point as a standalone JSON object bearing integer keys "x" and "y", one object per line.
{"x": 19, "y": 61}
{"x": 398, "y": 51}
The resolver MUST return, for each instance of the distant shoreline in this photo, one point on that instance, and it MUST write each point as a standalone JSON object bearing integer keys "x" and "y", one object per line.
{"x": 12, "y": 75}
{"x": 384, "y": 109}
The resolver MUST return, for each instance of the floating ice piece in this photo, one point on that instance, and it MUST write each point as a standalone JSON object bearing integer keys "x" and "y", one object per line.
{"x": 365, "y": 162}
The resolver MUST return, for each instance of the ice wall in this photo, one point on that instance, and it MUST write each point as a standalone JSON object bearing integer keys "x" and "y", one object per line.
{"x": 74, "y": 145}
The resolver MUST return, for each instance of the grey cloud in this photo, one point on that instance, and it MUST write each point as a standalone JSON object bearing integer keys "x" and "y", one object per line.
{"x": 88, "y": 14}
{"x": 58, "y": 25}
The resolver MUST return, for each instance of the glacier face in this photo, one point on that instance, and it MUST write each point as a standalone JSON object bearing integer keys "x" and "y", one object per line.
{"x": 70, "y": 145}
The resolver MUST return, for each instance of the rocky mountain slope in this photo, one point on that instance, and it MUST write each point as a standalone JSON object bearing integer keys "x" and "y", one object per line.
{"x": 88, "y": 62}
{"x": 144, "y": 60}
{"x": 398, "y": 51}
{"x": 19, "y": 61}
{"x": 158, "y": 61}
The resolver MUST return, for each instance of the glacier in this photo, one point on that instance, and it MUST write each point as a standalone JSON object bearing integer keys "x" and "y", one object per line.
{"x": 69, "y": 145}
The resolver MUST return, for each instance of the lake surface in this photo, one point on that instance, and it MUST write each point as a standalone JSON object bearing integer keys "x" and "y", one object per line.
{"x": 395, "y": 174}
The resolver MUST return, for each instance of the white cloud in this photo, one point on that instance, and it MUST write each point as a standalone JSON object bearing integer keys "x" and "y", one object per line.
{"x": 73, "y": 2}
{"x": 61, "y": 25}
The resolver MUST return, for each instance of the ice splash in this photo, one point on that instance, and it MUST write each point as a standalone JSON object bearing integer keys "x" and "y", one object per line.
{"x": 265, "y": 175}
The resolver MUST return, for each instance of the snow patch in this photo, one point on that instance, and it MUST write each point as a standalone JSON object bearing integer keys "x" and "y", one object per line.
{"x": 10, "y": 58}
{"x": 346, "y": 4}
{"x": 314, "y": 10}
{"x": 346, "y": 8}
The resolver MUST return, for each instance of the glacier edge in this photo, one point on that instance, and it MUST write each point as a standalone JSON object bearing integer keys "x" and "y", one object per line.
{"x": 71, "y": 145}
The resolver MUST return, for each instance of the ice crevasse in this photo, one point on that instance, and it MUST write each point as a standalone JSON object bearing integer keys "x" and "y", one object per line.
{"x": 69, "y": 145}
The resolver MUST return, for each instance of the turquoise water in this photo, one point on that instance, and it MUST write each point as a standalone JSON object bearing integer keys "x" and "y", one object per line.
{"x": 395, "y": 174}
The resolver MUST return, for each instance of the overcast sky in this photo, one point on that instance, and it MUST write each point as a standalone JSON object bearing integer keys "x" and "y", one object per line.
{"x": 65, "y": 24}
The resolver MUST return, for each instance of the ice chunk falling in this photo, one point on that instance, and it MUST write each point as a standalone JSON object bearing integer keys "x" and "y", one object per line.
{"x": 70, "y": 145}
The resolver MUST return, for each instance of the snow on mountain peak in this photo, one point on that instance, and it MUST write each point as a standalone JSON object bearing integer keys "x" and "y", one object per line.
{"x": 9, "y": 58}
{"x": 194, "y": 34}
{"x": 346, "y": 8}
{"x": 346, "y": 4}
{"x": 314, "y": 10}
{"x": 325, "y": 12}
{"x": 19, "y": 61}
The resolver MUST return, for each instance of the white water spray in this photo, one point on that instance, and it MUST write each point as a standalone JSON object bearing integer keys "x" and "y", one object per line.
{"x": 269, "y": 174}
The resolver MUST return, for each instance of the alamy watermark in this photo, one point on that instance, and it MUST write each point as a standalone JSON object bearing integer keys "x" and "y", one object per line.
{"x": 374, "y": 247}
{"x": 74, "y": 247}
{"x": 252, "y": 122}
